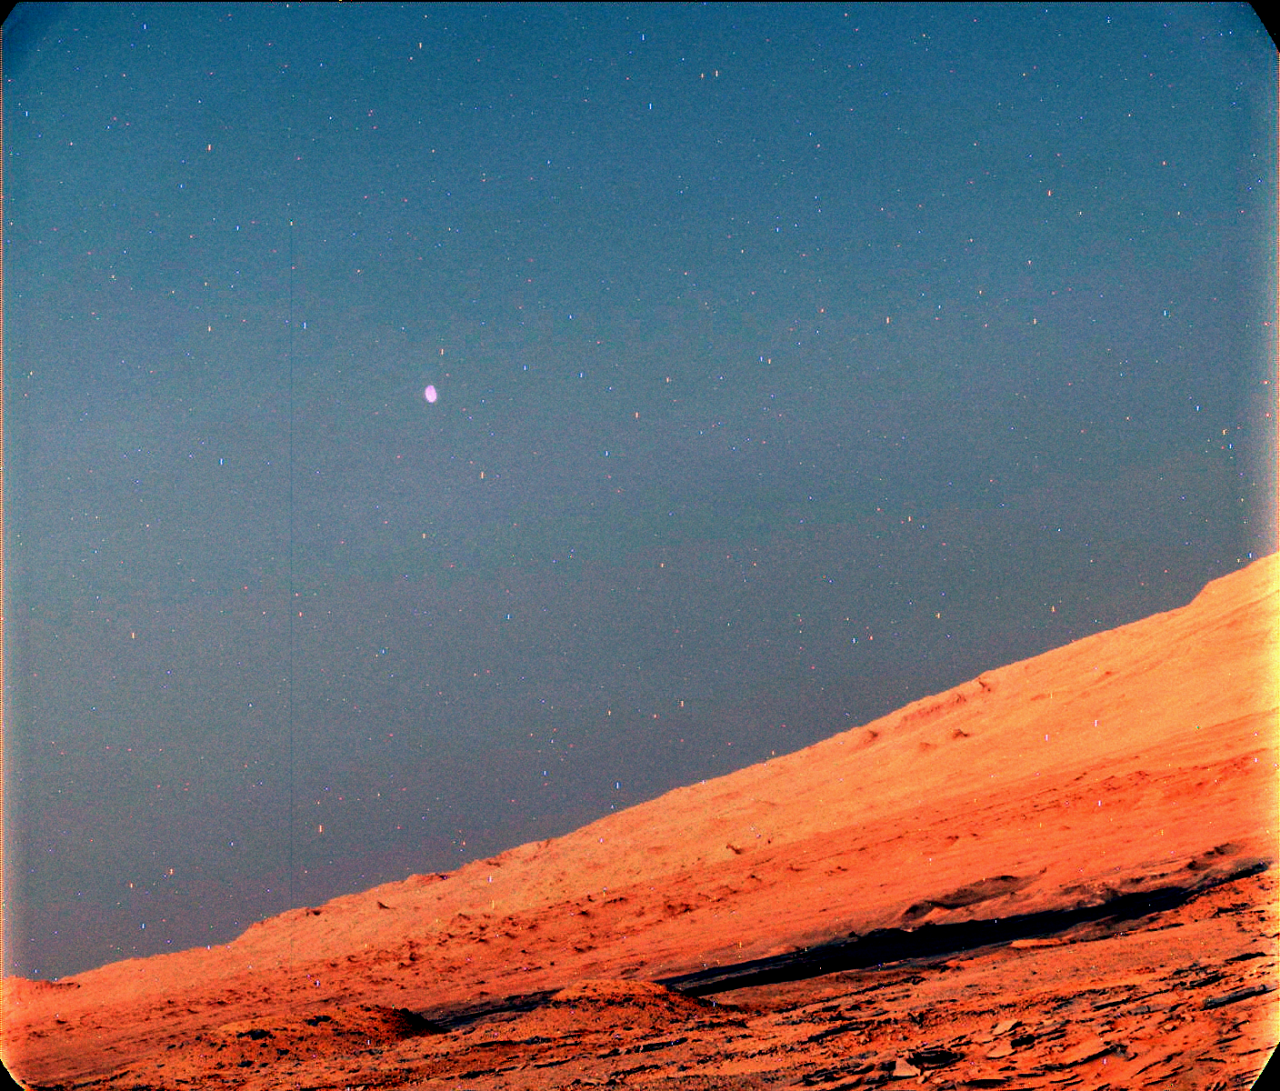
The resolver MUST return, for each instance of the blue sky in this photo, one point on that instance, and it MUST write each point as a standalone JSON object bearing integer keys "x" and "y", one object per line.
{"x": 793, "y": 363}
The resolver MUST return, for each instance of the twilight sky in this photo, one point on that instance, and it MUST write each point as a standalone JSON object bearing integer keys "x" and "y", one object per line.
{"x": 793, "y": 363}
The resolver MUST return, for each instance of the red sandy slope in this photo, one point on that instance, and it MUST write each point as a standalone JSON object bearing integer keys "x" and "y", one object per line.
{"x": 1140, "y": 759}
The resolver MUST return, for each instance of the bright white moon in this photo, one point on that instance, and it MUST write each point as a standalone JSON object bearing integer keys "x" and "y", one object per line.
{"x": 430, "y": 394}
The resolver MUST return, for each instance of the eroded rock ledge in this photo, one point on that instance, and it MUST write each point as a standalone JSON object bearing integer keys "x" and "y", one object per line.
{"x": 930, "y": 940}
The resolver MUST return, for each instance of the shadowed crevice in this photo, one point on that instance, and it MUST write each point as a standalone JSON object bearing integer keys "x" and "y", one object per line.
{"x": 451, "y": 1018}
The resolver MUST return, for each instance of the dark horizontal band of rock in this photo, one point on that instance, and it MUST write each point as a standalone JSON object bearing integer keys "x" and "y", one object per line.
{"x": 892, "y": 945}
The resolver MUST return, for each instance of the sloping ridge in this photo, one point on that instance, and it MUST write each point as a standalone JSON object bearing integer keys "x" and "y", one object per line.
{"x": 1139, "y": 762}
{"x": 1086, "y": 745}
